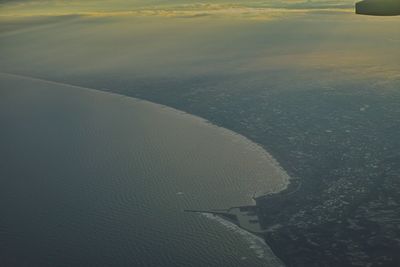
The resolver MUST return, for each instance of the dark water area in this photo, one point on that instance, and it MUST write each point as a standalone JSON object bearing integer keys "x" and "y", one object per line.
{"x": 90, "y": 178}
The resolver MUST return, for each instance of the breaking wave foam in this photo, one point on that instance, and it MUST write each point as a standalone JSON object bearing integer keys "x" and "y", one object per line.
{"x": 257, "y": 244}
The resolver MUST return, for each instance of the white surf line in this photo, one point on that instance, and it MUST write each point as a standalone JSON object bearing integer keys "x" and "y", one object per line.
{"x": 60, "y": 83}
{"x": 256, "y": 243}
{"x": 253, "y": 145}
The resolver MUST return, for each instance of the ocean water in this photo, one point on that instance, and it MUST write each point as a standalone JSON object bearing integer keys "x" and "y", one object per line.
{"x": 89, "y": 178}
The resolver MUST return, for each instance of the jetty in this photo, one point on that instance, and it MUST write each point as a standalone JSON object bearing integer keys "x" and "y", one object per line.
{"x": 245, "y": 217}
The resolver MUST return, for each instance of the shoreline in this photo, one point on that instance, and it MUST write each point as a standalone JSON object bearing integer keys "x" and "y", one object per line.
{"x": 287, "y": 179}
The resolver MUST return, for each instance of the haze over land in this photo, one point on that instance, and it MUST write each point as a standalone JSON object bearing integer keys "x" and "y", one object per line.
{"x": 31, "y": 7}
{"x": 311, "y": 82}
{"x": 199, "y": 38}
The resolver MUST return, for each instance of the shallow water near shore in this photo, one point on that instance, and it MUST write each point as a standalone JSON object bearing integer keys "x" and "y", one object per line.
{"x": 94, "y": 178}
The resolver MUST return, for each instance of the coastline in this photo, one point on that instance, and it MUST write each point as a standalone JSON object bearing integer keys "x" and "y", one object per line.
{"x": 285, "y": 183}
{"x": 224, "y": 131}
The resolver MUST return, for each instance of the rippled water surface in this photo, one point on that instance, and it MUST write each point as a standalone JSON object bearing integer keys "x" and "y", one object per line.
{"x": 92, "y": 178}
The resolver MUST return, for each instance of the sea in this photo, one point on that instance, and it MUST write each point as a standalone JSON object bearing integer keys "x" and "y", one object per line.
{"x": 92, "y": 178}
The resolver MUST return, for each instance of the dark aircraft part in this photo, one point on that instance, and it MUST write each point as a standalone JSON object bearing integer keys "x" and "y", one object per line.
{"x": 378, "y": 7}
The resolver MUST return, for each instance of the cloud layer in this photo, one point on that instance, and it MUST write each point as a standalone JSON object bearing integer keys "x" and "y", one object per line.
{"x": 176, "y": 8}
